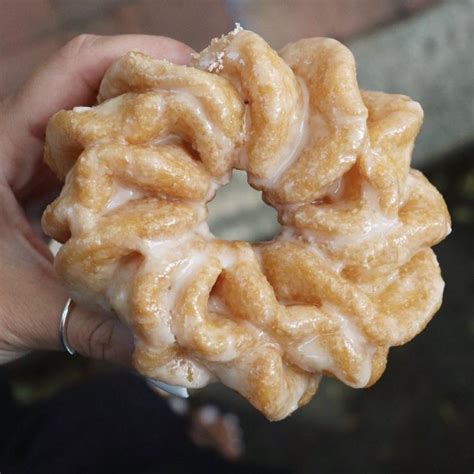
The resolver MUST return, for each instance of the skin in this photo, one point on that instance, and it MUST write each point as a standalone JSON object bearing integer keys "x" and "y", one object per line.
{"x": 31, "y": 296}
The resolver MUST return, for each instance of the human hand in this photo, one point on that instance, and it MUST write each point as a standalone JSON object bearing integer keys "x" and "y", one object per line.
{"x": 31, "y": 296}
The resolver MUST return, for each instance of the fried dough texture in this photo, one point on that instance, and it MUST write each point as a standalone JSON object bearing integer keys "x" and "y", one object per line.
{"x": 350, "y": 275}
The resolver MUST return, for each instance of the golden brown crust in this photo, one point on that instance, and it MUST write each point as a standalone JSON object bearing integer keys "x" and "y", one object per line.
{"x": 266, "y": 83}
{"x": 336, "y": 122}
{"x": 350, "y": 275}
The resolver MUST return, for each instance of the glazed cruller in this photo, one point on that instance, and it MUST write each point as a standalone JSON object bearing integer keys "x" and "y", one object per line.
{"x": 350, "y": 274}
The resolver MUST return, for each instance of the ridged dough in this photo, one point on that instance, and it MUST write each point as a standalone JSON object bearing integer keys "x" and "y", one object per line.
{"x": 350, "y": 275}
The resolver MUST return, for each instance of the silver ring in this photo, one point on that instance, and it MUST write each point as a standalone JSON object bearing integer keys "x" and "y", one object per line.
{"x": 63, "y": 326}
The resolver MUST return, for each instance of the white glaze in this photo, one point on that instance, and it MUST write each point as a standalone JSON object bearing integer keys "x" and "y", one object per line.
{"x": 315, "y": 357}
{"x": 214, "y": 133}
{"x": 80, "y": 109}
{"x": 122, "y": 194}
{"x": 297, "y": 140}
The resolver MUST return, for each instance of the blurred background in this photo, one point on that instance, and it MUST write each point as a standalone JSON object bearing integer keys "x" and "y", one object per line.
{"x": 419, "y": 416}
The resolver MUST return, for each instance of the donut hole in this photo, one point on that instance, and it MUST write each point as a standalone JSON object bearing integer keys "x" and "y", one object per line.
{"x": 237, "y": 212}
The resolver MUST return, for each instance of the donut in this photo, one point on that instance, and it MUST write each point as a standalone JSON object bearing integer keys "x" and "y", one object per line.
{"x": 351, "y": 273}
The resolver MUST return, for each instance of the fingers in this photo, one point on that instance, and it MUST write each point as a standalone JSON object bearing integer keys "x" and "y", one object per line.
{"x": 32, "y": 299}
{"x": 92, "y": 334}
{"x": 32, "y": 323}
{"x": 31, "y": 305}
{"x": 71, "y": 77}
{"x": 99, "y": 336}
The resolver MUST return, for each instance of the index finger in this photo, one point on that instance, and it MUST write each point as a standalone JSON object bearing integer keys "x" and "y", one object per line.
{"x": 71, "y": 77}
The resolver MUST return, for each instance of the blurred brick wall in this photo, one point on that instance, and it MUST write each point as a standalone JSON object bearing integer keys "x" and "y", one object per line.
{"x": 31, "y": 30}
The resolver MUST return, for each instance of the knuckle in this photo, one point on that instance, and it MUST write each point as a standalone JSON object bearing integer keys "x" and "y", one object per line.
{"x": 99, "y": 339}
{"x": 73, "y": 48}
